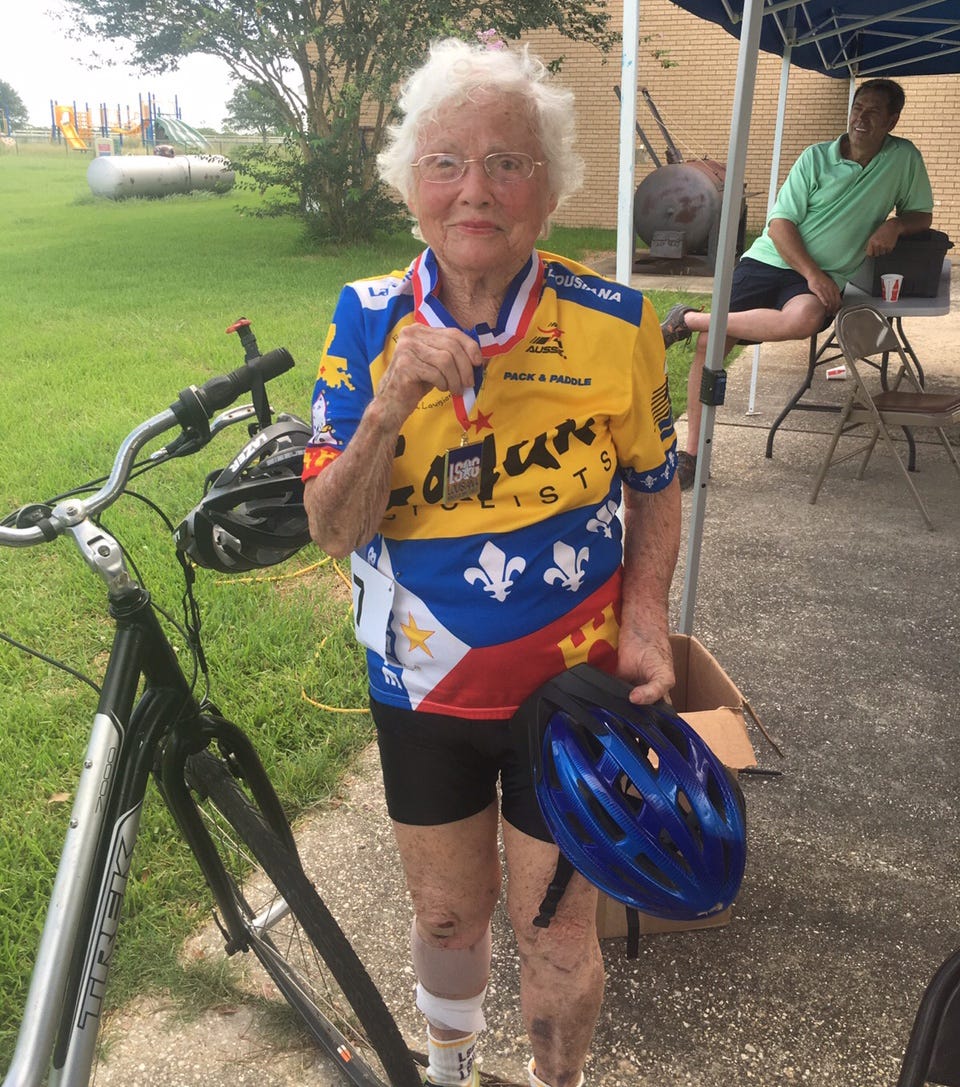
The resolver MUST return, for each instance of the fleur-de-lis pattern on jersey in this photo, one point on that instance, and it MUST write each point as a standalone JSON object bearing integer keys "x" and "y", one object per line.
{"x": 602, "y": 521}
{"x": 531, "y": 570}
{"x": 570, "y": 568}
{"x": 496, "y": 572}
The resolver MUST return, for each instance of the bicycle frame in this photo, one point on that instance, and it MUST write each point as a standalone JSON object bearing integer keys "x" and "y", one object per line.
{"x": 130, "y": 738}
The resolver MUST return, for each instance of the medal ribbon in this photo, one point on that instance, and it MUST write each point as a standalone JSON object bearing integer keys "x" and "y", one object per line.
{"x": 516, "y": 312}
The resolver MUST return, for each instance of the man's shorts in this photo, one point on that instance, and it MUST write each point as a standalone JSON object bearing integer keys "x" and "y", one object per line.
{"x": 757, "y": 285}
{"x": 439, "y": 769}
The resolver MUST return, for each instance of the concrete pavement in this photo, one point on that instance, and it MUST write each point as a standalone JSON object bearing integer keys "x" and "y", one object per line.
{"x": 839, "y": 622}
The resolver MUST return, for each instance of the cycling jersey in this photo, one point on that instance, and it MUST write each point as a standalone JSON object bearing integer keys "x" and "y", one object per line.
{"x": 491, "y": 595}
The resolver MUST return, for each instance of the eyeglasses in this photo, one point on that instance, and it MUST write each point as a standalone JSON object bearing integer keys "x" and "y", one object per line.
{"x": 503, "y": 167}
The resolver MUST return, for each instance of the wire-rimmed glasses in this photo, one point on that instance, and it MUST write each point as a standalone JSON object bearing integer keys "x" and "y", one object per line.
{"x": 503, "y": 167}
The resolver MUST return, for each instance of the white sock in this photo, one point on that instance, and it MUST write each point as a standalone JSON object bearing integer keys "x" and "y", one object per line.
{"x": 450, "y": 1063}
{"x": 535, "y": 1080}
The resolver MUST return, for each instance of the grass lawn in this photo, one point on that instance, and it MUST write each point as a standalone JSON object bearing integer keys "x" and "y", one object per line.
{"x": 108, "y": 309}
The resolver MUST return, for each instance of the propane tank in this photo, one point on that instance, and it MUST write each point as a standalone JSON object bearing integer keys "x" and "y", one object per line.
{"x": 683, "y": 197}
{"x": 120, "y": 176}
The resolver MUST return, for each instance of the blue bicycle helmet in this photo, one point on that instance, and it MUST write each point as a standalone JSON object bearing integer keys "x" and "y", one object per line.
{"x": 634, "y": 798}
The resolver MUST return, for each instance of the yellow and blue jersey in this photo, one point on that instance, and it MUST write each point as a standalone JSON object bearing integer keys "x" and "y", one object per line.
{"x": 495, "y": 594}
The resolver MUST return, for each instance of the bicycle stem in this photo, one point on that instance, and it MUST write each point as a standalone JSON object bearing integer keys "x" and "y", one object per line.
{"x": 103, "y": 555}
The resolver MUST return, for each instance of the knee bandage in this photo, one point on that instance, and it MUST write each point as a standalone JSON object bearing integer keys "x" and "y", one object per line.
{"x": 452, "y": 983}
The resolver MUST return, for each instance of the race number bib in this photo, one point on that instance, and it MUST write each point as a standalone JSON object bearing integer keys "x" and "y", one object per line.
{"x": 372, "y": 604}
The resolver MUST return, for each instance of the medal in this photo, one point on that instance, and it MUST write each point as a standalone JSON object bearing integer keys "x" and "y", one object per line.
{"x": 463, "y": 464}
{"x": 462, "y": 471}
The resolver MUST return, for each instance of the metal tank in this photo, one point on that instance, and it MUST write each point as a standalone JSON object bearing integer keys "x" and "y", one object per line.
{"x": 676, "y": 208}
{"x": 121, "y": 176}
{"x": 684, "y": 197}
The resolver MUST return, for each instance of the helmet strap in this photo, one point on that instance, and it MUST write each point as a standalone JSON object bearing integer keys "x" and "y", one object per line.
{"x": 551, "y": 900}
{"x": 251, "y": 352}
{"x": 261, "y": 405}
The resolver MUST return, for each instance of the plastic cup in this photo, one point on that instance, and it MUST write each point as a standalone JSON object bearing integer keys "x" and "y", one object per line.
{"x": 890, "y": 287}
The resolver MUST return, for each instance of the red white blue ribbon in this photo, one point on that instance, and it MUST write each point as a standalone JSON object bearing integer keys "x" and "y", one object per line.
{"x": 516, "y": 312}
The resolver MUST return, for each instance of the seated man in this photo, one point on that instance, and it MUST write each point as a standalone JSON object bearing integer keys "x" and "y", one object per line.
{"x": 830, "y": 214}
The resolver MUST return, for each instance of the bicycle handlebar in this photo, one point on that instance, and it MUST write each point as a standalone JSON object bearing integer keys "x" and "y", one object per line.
{"x": 221, "y": 391}
{"x": 191, "y": 411}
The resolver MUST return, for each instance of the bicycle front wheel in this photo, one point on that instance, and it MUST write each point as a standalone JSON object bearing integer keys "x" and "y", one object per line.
{"x": 296, "y": 938}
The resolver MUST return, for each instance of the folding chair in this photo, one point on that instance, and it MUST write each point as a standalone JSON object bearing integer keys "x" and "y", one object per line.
{"x": 863, "y": 334}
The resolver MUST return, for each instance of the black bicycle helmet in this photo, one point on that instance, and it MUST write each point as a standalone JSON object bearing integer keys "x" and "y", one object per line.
{"x": 251, "y": 514}
{"x": 634, "y": 798}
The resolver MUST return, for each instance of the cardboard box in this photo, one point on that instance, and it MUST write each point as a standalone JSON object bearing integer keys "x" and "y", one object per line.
{"x": 711, "y": 703}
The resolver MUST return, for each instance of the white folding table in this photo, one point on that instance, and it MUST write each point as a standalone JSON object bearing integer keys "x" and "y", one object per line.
{"x": 937, "y": 306}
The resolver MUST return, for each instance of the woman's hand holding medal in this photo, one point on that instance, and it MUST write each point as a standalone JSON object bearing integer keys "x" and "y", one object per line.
{"x": 428, "y": 358}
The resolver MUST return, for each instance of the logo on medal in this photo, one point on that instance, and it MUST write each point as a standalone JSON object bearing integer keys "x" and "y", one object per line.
{"x": 462, "y": 472}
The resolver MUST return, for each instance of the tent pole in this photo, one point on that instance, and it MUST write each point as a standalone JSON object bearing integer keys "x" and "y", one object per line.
{"x": 772, "y": 192}
{"x": 628, "y": 125}
{"x": 720, "y": 304}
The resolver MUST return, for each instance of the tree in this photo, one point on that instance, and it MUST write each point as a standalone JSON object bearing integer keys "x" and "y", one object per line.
{"x": 252, "y": 108}
{"x": 12, "y": 107}
{"x": 331, "y": 68}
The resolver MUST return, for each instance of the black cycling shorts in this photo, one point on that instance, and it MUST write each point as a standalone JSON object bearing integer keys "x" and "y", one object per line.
{"x": 438, "y": 769}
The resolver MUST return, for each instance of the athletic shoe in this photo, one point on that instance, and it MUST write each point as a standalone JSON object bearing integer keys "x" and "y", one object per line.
{"x": 673, "y": 327}
{"x": 686, "y": 470}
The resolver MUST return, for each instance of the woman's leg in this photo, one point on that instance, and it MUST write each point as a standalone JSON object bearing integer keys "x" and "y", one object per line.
{"x": 453, "y": 875}
{"x": 561, "y": 970}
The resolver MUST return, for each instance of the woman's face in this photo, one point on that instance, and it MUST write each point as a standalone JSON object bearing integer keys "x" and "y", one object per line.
{"x": 476, "y": 225}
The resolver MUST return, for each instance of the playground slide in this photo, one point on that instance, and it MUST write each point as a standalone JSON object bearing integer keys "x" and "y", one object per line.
{"x": 65, "y": 122}
{"x": 73, "y": 138}
{"x": 174, "y": 130}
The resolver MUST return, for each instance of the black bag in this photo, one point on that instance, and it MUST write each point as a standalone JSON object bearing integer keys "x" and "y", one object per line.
{"x": 916, "y": 257}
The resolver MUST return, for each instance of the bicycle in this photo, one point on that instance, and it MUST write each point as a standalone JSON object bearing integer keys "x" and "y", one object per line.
{"x": 149, "y": 721}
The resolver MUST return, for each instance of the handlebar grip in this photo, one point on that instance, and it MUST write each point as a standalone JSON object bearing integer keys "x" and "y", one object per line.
{"x": 194, "y": 406}
{"x": 219, "y": 392}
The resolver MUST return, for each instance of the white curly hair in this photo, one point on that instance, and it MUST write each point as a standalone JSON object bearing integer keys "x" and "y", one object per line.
{"x": 453, "y": 73}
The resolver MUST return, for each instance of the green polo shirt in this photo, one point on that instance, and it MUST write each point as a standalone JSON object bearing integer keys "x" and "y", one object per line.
{"x": 836, "y": 203}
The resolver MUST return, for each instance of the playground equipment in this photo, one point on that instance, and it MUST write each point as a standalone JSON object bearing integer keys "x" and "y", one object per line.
{"x": 66, "y": 121}
{"x": 148, "y": 124}
{"x": 174, "y": 130}
{"x": 120, "y": 176}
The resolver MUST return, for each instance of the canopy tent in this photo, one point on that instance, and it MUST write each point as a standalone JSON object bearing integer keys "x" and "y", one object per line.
{"x": 843, "y": 39}
{"x": 860, "y": 38}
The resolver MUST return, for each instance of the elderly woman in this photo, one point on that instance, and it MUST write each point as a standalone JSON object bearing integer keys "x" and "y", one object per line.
{"x": 477, "y": 420}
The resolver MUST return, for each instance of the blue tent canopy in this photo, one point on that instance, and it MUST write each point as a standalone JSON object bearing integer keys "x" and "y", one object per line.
{"x": 844, "y": 39}
{"x": 860, "y": 38}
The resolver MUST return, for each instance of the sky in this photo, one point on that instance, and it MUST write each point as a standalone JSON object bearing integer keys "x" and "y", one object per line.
{"x": 41, "y": 64}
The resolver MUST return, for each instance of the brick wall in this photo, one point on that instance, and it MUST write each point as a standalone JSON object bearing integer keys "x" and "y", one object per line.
{"x": 695, "y": 99}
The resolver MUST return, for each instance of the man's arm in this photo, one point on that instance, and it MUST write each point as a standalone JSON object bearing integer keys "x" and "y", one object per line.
{"x": 885, "y": 237}
{"x": 786, "y": 237}
{"x": 651, "y": 547}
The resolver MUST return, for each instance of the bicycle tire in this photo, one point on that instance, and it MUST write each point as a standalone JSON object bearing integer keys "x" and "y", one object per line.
{"x": 305, "y": 952}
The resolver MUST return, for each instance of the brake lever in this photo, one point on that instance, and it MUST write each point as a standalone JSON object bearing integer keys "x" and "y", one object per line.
{"x": 231, "y": 416}
{"x": 183, "y": 445}
{"x": 188, "y": 442}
